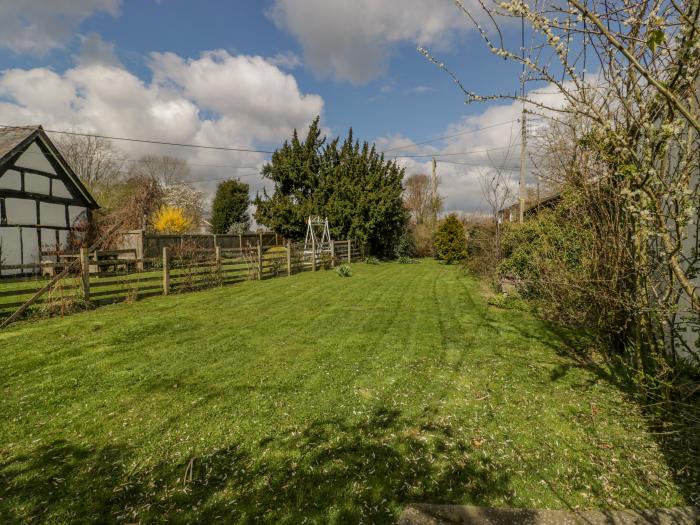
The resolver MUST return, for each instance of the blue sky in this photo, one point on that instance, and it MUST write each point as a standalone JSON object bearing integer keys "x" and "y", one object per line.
{"x": 246, "y": 72}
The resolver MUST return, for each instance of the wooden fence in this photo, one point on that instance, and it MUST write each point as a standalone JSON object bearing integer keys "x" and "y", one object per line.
{"x": 105, "y": 277}
{"x": 150, "y": 245}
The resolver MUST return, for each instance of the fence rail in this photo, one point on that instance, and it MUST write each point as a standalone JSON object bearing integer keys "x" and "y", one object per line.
{"x": 182, "y": 268}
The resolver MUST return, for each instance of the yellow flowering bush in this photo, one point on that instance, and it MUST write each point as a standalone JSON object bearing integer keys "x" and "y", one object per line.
{"x": 169, "y": 219}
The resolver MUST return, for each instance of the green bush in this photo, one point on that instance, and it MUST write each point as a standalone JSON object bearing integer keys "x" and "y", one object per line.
{"x": 450, "y": 242}
{"x": 404, "y": 247}
{"x": 372, "y": 260}
{"x": 344, "y": 270}
{"x": 406, "y": 260}
{"x": 551, "y": 257}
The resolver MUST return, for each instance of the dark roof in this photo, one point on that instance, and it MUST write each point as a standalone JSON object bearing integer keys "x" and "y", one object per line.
{"x": 10, "y": 138}
{"x": 16, "y": 139}
{"x": 533, "y": 205}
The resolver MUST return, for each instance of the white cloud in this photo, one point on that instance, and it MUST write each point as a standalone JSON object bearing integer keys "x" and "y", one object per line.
{"x": 286, "y": 60}
{"x": 490, "y": 138}
{"x": 219, "y": 99}
{"x": 260, "y": 96}
{"x": 94, "y": 50}
{"x": 38, "y": 26}
{"x": 418, "y": 90}
{"x": 352, "y": 39}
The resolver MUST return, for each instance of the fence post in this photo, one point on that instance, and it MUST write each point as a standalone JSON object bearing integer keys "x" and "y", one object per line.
{"x": 289, "y": 258}
{"x": 217, "y": 257}
{"x": 313, "y": 254}
{"x": 260, "y": 268}
{"x": 349, "y": 251}
{"x": 139, "y": 252}
{"x": 166, "y": 271}
{"x": 85, "y": 273}
{"x": 332, "y": 254}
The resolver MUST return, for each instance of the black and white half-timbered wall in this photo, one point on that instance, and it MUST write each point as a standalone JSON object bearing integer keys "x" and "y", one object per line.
{"x": 43, "y": 205}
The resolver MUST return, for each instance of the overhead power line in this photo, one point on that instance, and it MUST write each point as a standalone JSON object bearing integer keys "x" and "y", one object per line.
{"x": 251, "y": 171}
{"x": 258, "y": 170}
{"x": 480, "y": 164}
{"x": 455, "y": 153}
{"x": 438, "y": 139}
{"x": 145, "y": 141}
{"x": 222, "y": 148}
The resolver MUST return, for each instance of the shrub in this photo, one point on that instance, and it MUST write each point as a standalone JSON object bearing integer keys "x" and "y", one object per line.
{"x": 372, "y": 260}
{"x": 450, "y": 242}
{"x": 422, "y": 239}
{"x": 482, "y": 249}
{"x": 404, "y": 247}
{"x": 406, "y": 260}
{"x": 344, "y": 270}
{"x": 169, "y": 219}
{"x": 550, "y": 257}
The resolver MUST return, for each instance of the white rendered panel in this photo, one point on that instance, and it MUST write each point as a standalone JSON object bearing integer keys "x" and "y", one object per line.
{"x": 34, "y": 183}
{"x": 11, "y": 180}
{"x": 52, "y": 214}
{"x": 63, "y": 238}
{"x": 20, "y": 211}
{"x": 9, "y": 238}
{"x": 48, "y": 239}
{"x": 686, "y": 318}
{"x": 59, "y": 189}
{"x": 30, "y": 245}
{"x": 76, "y": 214}
{"x": 34, "y": 158}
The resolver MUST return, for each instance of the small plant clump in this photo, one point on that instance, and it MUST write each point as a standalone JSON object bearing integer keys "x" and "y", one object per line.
{"x": 507, "y": 302}
{"x": 372, "y": 260}
{"x": 344, "y": 270}
{"x": 406, "y": 260}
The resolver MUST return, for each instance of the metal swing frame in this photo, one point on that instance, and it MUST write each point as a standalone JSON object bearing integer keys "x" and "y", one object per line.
{"x": 314, "y": 242}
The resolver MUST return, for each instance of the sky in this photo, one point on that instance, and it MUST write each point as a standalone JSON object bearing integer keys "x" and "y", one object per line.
{"x": 245, "y": 73}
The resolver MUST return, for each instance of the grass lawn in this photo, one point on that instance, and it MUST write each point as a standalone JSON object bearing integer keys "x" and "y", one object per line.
{"x": 313, "y": 399}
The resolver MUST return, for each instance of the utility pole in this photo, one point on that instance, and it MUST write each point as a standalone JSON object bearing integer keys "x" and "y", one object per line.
{"x": 523, "y": 154}
{"x": 433, "y": 193}
{"x": 523, "y": 124}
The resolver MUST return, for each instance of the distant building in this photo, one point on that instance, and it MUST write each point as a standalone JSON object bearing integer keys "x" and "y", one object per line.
{"x": 512, "y": 212}
{"x": 43, "y": 205}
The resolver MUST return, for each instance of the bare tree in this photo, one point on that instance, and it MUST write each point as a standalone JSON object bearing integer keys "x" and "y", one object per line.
{"x": 96, "y": 162}
{"x": 497, "y": 190}
{"x": 417, "y": 196}
{"x": 164, "y": 169}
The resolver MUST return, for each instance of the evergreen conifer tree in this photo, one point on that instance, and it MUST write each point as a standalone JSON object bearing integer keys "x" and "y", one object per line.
{"x": 450, "y": 241}
{"x": 230, "y": 206}
{"x": 349, "y": 183}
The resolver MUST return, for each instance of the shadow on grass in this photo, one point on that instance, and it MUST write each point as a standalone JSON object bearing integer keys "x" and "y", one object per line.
{"x": 673, "y": 424}
{"x": 328, "y": 471}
